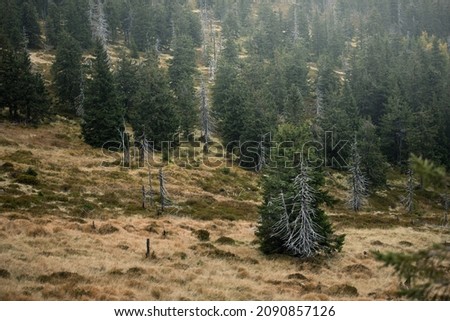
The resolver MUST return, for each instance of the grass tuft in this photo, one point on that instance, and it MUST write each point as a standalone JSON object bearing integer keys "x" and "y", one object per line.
{"x": 61, "y": 277}
{"x": 107, "y": 229}
{"x": 202, "y": 235}
{"x": 226, "y": 240}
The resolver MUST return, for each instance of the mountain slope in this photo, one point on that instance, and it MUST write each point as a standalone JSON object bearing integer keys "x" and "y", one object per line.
{"x": 79, "y": 232}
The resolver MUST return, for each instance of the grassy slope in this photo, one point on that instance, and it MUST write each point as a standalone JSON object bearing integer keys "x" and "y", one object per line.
{"x": 78, "y": 230}
{"x": 46, "y": 230}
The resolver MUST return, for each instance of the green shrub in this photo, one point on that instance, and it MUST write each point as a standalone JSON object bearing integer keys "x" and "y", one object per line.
{"x": 202, "y": 235}
{"x": 27, "y": 180}
{"x": 6, "y": 167}
{"x": 30, "y": 171}
{"x": 225, "y": 170}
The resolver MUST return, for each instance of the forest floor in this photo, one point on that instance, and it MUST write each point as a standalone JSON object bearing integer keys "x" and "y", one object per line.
{"x": 73, "y": 228}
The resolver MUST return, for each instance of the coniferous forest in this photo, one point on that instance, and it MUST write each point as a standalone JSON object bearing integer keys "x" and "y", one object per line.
{"x": 313, "y": 124}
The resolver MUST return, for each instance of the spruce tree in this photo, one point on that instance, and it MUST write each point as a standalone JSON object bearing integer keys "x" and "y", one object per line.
{"x": 299, "y": 233}
{"x": 181, "y": 71}
{"x": 67, "y": 72}
{"x": 127, "y": 82}
{"x": 76, "y": 16}
{"x": 30, "y": 25}
{"x": 293, "y": 223}
{"x": 396, "y": 124}
{"x": 373, "y": 162}
{"x": 38, "y": 106}
{"x": 53, "y": 24}
{"x": 294, "y": 108}
{"x": 103, "y": 115}
{"x": 425, "y": 272}
{"x": 228, "y": 98}
{"x": 291, "y": 220}
{"x": 22, "y": 90}
{"x": 153, "y": 114}
{"x": 11, "y": 24}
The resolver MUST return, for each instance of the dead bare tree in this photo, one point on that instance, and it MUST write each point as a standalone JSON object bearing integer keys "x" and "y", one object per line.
{"x": 446, "y": 200}
{"x": 296, "y": 227}
{"x": 319, "y": 102}
{"x": 150, "y": 192}
{"x": 358, "y": 181}
{"x": 296, "y": 32}
{"x": 262, "y": 160}
{"x": 158, "y": 47}
{"x": 283, "y": 226}
{"x": 144, "y": 194}
{"x": 204, "y": 19}
{"x": 79, "y": 100}
{"x": 164, "y": 195}
{"x": 125, "y": 146}
{"x": 206, "y": 119}
{"x": 127, "y": 21}
{"x": 145, "y": 149}
{"x": 304, "y": 238}
{"x": 97, "y": 19}
{"x": 408, "y": 199}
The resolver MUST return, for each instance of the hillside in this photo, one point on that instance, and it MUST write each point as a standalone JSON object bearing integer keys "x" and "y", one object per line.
{"x": 79, "y": 233}
{"x": 269, "y": 130}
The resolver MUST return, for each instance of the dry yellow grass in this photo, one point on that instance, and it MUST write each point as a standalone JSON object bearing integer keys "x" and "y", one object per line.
{"x": 50, "y": 249}
{"x": 39, "y": 252}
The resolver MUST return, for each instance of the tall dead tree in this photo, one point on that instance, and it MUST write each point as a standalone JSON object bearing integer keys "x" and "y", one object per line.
{"x": 319, "y": 102}
{"x": 207, "y": 122}
{"x": 164, "y": 195}
{"x": 125, "y": 146}
{"x": 296, "y": 32}
{"x": 144, "y": 197}
{"x": 150, "y": 192}
{"x": 145, "y": 149}
{"x": 204, "y": 19}
{"x": 304, "y": 237}
{"x": 282, "y": 227}
{"x": 296, "y": 227}
{"x": 79, "y": 100}
{"x": 127, "y": 22}
{"x": 217, "y": 47}
{"x": 358, "y": 181}
{"x": 262, "y": 156}
{"x": 158, "y": 47}
{"x": 408, "y": 199}
{"x": 97, "y": 19}
{"x": 446, "y": 200}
